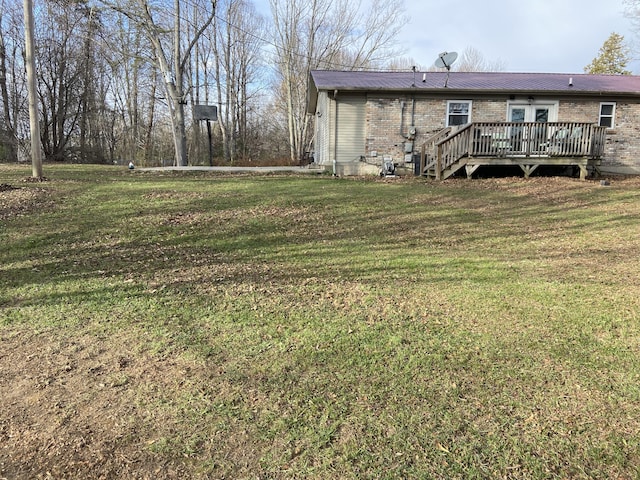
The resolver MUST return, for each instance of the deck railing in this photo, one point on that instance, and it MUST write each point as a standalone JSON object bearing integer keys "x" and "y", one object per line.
{"x": 516, "y": 140}
{"x": 429, "y": 150}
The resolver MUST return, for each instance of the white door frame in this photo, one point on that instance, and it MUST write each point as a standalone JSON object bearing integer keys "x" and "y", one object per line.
{"x": 530, "y": 109}
{"x": 528, "y": 140}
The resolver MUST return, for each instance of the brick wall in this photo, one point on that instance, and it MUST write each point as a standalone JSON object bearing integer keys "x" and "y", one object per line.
{"x": 389, "y": 118}
{"x": 623, "y": 141}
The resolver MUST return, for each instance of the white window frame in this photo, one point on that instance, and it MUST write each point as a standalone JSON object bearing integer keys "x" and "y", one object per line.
{"x": 612, "y": 116}
{"x": 448, "y": 114}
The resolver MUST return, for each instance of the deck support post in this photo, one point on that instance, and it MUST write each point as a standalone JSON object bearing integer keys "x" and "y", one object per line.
{"x": 583, "y": 172}
{"x": 470, "y": 169}
{"x": 528, "y": 169}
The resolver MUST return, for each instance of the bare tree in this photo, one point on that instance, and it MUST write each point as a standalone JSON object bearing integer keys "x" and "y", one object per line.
{"x": 632, "y": 12}
{"x": 404, "y": 64}
{"x": 9, "y": 84}
{"x": 29, "y": 28}
{"x": 97, "y": 81}
{"x": 472, "y": 60}
{"x": 68, "y": 93}
{"x": 236, "y": 47}
{"x": 133, "y": 91}
{"x": 65, "y": 76}
{"x": 171, "y": 52}
{"x": 311, "y": 34}
{"x": 113, "y": 83}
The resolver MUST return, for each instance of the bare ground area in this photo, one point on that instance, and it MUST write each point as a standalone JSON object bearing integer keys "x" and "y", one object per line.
{"x": 76, "y": 415}
{"x": 16, "y": 200}
{"x": 83, "y": 407}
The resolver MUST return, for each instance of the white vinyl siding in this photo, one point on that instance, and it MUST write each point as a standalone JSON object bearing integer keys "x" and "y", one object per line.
{"x": 322, "y": 141}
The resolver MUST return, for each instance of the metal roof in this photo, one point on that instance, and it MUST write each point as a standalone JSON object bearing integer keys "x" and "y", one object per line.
{"x": 477, "y": 81}
{"x": 473, "y": 83}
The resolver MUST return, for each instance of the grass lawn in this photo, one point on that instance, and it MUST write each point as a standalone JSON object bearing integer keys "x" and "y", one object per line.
{"x": 201, "y": 325}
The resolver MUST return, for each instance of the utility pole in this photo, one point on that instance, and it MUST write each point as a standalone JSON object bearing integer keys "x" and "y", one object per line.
{"x": 29, "y": 27}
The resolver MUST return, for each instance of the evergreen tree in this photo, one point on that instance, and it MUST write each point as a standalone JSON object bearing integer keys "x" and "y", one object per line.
{"x": 612, "y": 59}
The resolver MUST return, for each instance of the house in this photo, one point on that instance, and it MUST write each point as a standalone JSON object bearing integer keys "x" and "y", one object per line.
{"x": 441, "y": 122}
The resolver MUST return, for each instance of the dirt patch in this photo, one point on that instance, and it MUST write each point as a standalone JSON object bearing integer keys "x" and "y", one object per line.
{"x": 78, "y": 413}
{"x": 18, "y": 201}
{"x": 5, "y": 187}
{"x": 543, "y": 182}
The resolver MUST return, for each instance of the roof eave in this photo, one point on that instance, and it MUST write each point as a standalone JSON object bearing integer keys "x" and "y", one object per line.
{"x": 450, "y": 90}
{"x": 312, "y": 96}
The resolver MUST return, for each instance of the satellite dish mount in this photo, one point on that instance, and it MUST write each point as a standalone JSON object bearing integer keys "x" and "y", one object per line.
{"x": 445, "y": 60}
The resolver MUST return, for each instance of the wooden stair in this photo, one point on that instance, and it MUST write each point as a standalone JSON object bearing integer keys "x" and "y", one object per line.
{"x": 431, "y": 172}
{"x": 438, "y": 146}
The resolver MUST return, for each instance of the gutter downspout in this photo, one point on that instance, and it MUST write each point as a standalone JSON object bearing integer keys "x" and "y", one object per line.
{"x": 413, "y": 110}
{"x": 413, "y": 116}
{"x": 335, "y": 133}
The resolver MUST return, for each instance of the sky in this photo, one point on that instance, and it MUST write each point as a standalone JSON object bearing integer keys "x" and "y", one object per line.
{"x": 548, "y": 36}
{"x": 532, "y": 36}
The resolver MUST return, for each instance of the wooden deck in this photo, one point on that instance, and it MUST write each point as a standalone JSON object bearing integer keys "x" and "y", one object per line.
{"x": 527, "y": 145}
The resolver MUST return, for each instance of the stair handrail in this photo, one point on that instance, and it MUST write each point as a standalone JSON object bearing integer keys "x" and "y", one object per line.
{"x": 428, "y": 152}
{"x": 452, "y": 148}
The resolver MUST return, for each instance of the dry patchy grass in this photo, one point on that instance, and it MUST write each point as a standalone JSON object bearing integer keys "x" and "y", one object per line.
{"x": 222, "y": 327}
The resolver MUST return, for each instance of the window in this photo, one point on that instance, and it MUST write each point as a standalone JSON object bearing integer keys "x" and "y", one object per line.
{"x": 607, "y": 114}
{"x": 458, "y": 112}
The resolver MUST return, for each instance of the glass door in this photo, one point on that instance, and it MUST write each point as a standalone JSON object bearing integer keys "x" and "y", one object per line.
{"x": 539, "y": 133}
{"x": 530, "y": 113}
{"x": 517, "y": 114}
{"x": 532, "y": 138}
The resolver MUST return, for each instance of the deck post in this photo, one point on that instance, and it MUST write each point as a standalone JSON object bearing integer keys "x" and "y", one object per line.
{"x": 528, "y": 169}
{"x": 470, "y": 169}
{"x": 423, "y": 155}
{"x": 583, "y": 172}
{"x": 439, "y": 163}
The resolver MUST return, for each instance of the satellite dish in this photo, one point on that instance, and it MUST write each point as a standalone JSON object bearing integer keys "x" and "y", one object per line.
{"x": 446, "y": 59}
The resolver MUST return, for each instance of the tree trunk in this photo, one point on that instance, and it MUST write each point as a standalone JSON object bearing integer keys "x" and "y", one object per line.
{"x": 222, "y": 113}
{"x": 149, "y": 138}
{"x": 173, "y": 79}
{"x": 9, "y": 132}
{"x": 178, "y": 98}
{"x": 180, "y": 133}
